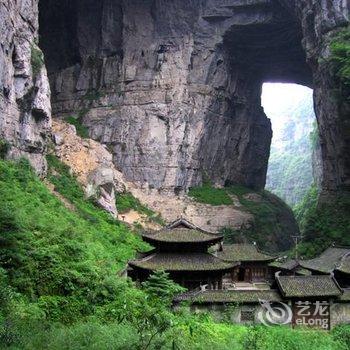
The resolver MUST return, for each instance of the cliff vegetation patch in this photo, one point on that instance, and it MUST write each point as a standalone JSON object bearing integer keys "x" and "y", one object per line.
{"x": 36, "y": 60}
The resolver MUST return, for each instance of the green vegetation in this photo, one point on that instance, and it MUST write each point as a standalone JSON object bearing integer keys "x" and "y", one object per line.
{"x": 289, "y": 173}
{"x": 314, "y": 136}
{"x": 159, "y": 285}
{"x": 60, "y": 288}
{"x": 272, "y": 221}
{"x": 340, "y": 49}
{"x": 36, "y": 59}
{"x": 268, "y": 211}
{"x": 210, "y": 195}
{"x": 323, "y": 223}
{"x": 126, "y": 202}
{"x": 4, "y": 148}
{"x": 82, "y": 130}
{"x": 93, "y": 95}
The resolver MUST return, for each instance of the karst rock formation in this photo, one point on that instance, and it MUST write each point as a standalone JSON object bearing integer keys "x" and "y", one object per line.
{"x": 171, "y": 87}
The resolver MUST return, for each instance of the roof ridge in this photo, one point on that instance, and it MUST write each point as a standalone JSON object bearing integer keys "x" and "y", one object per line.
{"x": 216, "y": 234}
{"x": 187, "y": 223}
{"x": 337, "y": 284}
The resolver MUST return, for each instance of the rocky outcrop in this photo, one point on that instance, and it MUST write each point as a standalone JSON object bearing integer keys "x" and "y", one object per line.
{"x": 91, "y": 163}
{"x": 173, "y": 87}
{"x": 25, "y": 110}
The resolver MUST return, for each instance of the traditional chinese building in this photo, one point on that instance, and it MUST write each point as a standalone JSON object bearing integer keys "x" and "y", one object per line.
{"x": 334, "y": 260}
{"x": 314, "y": 301}
{"x": 181, "y": 249}
{"x": 313, "y": 293}
{"x": 219, "y": 276}
{"x": 254, "y": 264}
{"x": 289, "y": 267}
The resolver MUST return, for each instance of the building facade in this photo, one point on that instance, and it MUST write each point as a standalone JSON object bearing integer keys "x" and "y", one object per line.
{"x": 245, "y": 284}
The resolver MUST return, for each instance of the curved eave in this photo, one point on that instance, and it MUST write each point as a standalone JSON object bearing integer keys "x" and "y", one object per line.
{"x": 209, "y": 241}
{"x": 228, "y": 268}
{"x": 268, "y": 260}
{"x": 223, "y": 267}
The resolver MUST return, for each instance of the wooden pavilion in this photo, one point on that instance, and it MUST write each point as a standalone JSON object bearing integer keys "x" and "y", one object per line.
{"x": 254, "y": 264}
{"x": 181, "y": 249}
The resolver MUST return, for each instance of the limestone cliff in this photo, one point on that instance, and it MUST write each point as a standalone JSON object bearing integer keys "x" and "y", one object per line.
{"x": 173, "y": 87}
{"x": 25, "y": 109}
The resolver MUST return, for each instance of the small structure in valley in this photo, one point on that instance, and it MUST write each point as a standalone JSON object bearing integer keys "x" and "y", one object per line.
{"x": 181, "y": 249}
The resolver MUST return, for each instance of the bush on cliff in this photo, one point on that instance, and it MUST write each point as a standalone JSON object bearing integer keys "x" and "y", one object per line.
{"x": 323, "y": 222}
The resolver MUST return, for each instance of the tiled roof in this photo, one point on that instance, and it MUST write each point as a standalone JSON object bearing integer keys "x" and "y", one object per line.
{"x": 302, "y": 271}
{"x": 285, "y": 265}
{"x": 182, "y": 262}
{"x": 230, "y": 296}
{"x": 308, "y": 286}
{"x": 345, "y": 296}
{"x": 243, "y": 252}
{"x": 290, "y": 265}
{"x": 328, "y": 261}
{"x": 182, "y": 235}
{"x": 344, "y": 265}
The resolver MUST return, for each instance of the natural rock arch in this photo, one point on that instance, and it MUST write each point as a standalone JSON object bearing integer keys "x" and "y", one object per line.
{"x": 173, "y": 87}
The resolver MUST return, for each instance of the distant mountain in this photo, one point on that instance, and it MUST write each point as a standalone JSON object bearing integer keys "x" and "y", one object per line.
{"x": 290, "y": 108}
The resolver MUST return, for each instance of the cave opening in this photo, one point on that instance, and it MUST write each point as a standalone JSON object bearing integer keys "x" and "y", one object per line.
{"x": 292, "y": 164}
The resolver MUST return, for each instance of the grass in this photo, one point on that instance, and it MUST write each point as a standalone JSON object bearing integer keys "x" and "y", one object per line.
{"x": 210, "y": 195}
{"x": 82, "y": 130}
{"x": 52, "y": 253}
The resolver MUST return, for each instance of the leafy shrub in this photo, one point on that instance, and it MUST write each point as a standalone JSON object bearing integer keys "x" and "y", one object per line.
{"x": 82, "y": 130}
{"x": 36, "y": 60}
{"x": 342, "y": 334}
{"x": 323, "y": 222}
{"x": 4, "y": 148}
{"x": 159, "y": 285}
{"x": 276, "y": 338}
{"x": 340, "y": 49}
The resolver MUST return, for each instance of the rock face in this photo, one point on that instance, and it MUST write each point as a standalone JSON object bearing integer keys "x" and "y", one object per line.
{"x": 173, "y": 87}
{"x": 25, "y": 109}
{"x": 320, "y": 21}
{"x": 91, "y": 162}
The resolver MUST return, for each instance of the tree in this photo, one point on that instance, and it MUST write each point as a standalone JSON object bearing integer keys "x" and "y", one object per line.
{"x": 159, "y": 285}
